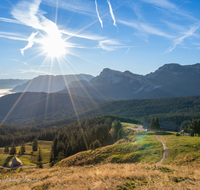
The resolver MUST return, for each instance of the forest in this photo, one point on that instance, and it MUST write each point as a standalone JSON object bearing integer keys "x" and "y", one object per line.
{"x": 10, "y": 134}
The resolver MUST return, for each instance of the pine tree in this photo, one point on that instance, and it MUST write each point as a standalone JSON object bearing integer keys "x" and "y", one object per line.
{"x": 157, "y": 124}
{"x": 5, "y": 149}
{"x": 96, "y": 144}
{"x": 120, "y": 132}
{"x": 40, "y": 159}
{"x": 22, "y": 149}
{"x": 35, "y": 145}
{"x": 12, "y": 149}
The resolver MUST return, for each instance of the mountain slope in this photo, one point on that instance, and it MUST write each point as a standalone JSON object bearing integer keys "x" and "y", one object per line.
{"x": 170, "y": 80}
{"x": 31, "y": 105}
{"x": 50, "y": 83}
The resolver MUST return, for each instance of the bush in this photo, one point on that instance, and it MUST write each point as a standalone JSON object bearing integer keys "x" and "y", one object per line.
{"x": 96, "y": 144}
{"x": 177, "y": 134}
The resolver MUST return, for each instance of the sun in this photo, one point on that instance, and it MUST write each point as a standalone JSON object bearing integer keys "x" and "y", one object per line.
{"x": 53, "y": 45}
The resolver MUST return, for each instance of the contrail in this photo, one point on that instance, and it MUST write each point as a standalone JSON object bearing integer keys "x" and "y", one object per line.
{"x": 30, "y": 43}
{"x": 111, "y": 13}
{"x": 98, "y": 14}
{"x": 128, "y": 50}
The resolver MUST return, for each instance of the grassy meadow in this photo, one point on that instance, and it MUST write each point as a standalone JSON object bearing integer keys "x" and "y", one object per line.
{"x": 127, "y": 164}
{"x": 29, "y": 158}
{"x": 183, "y": 150}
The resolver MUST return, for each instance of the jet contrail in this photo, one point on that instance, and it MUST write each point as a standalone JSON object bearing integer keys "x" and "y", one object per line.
{"x": 98, "y": 14}
{"x": 111, "y": 13}
{"x": 128, "y": 50}
{"x": 30, "y": 43}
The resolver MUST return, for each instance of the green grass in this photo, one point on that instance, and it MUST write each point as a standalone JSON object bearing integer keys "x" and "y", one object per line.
{"x": 29, "y": 158}
{"x": 128, "y": 125}
{"x": 145, "y": 149}
{"x": 183, "y": 150}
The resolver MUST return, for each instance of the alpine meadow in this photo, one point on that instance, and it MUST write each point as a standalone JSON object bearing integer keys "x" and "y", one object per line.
{"x": 99, "y": 94}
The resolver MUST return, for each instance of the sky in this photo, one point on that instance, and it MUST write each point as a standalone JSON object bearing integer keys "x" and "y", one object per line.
{"x": 59, "y": 37}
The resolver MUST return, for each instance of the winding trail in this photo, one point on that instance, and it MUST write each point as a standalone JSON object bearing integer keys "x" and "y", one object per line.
{"x": 165, "y": 150}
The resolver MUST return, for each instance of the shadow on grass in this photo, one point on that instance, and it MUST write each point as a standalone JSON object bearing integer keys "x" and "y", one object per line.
{"x": 8, "y": 159}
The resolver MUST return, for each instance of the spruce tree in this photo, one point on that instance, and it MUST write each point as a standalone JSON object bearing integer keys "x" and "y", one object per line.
{"x": 22, "y": 149}
{"x": 35, "y": 145}
{"x": 40, "y": 159}
{"x": 12, "y": 149}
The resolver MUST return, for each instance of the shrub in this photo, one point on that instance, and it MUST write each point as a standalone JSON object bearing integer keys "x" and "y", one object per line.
{"x": 96, "y": 144}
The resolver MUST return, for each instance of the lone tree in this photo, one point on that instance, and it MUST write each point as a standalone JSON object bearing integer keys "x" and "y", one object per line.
{"x": 35, "y": 145}
{"x": 12, "y": 149}
{"x": 22, "y": 149}
{"x": 96, "y": 144}
{"x": 40, "y": 159}
{"x": 6, "y": 149}
{"x": 155, "y": 124}
{"x": 116, "y": 126}
{"x": 194, "y": 127}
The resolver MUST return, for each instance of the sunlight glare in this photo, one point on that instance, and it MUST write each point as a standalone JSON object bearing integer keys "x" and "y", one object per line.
{"x": 53, "y": 44}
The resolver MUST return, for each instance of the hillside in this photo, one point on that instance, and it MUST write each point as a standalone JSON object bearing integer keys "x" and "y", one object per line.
{"x": 175, "y": 110}
{"x": 118, "y": 166}
{"x": 32, "y": 104}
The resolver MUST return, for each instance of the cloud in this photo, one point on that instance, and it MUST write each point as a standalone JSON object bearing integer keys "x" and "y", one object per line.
{"x": 101, "y": 22}
{"x": 145, "y": 28}
{"x": 9, "y": 20}
{"x": 12, "y": 36}
{"x": 169, "y": 7}
{"x": 25, "y": 63}
{"x": 78, "y": 6}
{"x": 109, "y": 45}
{"x": 35, "y": 71}
{"x": 14, "y": 60}
{"x": 128, "y": 50}
{"x": 30, "y": 43}
{"x": 84, "y": 36}
{"x": 182, "y": 38}
{"x": 111, "y": 13}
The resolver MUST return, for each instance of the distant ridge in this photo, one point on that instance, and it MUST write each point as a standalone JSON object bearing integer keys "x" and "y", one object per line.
{"x": 11, "y": 83}
{"x": 170, "y": 80}
{"x": 50, "y": 83}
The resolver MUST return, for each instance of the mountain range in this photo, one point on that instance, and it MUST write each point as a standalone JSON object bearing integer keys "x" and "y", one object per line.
{"x": 50, "y": 83}
{"x": 11, "y": 83}
{"x": 170, "y": 80}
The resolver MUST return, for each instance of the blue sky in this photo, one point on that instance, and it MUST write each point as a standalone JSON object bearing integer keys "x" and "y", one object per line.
{"x": 39, "y": 37}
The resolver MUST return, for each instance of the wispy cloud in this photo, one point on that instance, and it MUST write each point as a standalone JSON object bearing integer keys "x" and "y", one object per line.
{"x": 88, "y": 36}
{"x": 30, "y": 43}
{"x": 111, "y": 13}
{"x": 144, "y": 27}
{"x": 78, "y": 6}
{"x": 11, "y": 36}
{"x": 35, "y": 71}
{"x": 128, "y": 50}
{"x": 14, "y": 60}
{"x": 182, "y": 38}
{"x": 101, "y": 22}
{"x": 110, "y": 45}
{"x": 170, "y": 8}
{"x": 9, "y": 20}
{"x": 25, "y": 63}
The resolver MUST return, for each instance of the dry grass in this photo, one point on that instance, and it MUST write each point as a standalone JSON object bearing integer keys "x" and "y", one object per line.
{"x": 106, "y": 176}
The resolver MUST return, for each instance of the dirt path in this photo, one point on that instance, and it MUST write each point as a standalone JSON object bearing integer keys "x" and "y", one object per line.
{"x": 165, "y": 150}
